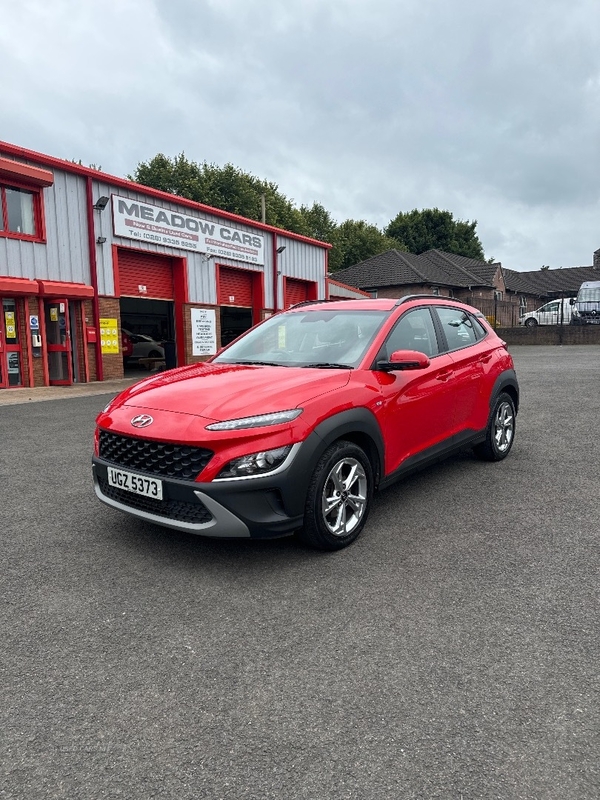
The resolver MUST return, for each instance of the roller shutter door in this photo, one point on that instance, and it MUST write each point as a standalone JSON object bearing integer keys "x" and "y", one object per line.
{"x": 145, "y": 275}
{"x": 235, "y": 288}
{"x": 296, "y": 291}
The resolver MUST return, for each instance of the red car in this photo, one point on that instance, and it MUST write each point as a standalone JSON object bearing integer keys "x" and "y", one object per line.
{"x": 293, "y": 426}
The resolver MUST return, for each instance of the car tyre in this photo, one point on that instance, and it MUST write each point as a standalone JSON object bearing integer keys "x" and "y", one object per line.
{"x": 500, "y": 432}
{"x": 531, "y": 322}
{"x": 339, "y": 497}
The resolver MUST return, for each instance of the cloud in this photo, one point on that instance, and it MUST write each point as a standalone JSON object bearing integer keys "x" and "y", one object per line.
{"x": 370, "y": 108}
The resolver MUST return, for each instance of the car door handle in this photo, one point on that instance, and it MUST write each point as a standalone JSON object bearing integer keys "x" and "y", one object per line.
{"x": 443, "y": 376}
{"x": 485, "y": 359}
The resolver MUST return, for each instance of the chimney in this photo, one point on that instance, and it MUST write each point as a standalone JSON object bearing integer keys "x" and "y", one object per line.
{"x": 597, "y": 259}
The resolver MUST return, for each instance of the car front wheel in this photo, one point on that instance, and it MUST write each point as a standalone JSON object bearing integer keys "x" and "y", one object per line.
{"x": 339, "y": 497}
{"x": 500, "y": 433}
{"x": 531, "y": 322}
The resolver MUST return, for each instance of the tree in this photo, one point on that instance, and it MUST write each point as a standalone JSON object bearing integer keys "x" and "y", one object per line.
{"x": 356, "y": 240}
{"x": 318, "y": 222}
{"x": 431, "y": 229}
{"x": 227, "y": 188}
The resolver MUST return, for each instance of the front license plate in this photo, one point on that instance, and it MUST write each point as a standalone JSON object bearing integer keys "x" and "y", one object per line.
{"x": 130, "y": 482}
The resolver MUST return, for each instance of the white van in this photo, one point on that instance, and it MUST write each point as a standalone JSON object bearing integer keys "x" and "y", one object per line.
{"x": 556, "y": 312}
{"x": 587, "y": 306}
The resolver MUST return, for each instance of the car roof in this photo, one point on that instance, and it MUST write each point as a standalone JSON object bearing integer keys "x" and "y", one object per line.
{"x": 380, "y": 303}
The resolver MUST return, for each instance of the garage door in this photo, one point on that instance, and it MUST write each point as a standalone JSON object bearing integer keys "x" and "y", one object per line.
{"x": 296, "y": 291}
{"x": 145, "y": 275}
{"x": 235, "y": 287}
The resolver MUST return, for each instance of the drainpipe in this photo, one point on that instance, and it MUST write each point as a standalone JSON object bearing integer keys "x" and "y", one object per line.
{"x": 94, "y": 277}
{"x": 275, "y": 276}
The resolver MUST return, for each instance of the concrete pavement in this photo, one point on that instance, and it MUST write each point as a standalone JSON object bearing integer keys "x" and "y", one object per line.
{"x": 9, "y": 397}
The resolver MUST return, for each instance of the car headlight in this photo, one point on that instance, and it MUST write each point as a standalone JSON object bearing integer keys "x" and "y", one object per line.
{"x": 255, "y": 463}
{"x": 259, "y": 421}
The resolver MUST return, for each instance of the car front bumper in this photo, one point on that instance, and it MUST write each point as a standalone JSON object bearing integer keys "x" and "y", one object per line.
{"x": 260, "y": 507}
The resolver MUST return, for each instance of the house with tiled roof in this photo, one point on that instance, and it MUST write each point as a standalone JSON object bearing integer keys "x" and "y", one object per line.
{"x": 501, "y": 294}
{"x": 394, "y": 274}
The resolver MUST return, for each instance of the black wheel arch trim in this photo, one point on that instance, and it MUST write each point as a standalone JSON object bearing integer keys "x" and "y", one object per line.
{"x": 359, "y": 426}
{"x": 507, "y": 380}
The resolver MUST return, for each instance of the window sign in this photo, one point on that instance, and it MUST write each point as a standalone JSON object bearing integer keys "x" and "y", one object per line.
{"x": 204, "y": 332}
{"x": 10, "y": 321}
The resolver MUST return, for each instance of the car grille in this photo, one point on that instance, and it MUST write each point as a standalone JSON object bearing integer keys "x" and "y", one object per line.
{"x": 177, "y": 510}
{"x": 154, "y": 458}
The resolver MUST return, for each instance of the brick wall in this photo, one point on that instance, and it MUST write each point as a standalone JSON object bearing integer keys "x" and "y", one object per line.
{"x": 88, "y": 321}
{"x": 551, "y": 334}
{"x": 79, "y": 337}
{"x": 38, "y": 363}
{"x": 22, "y": 325}
{"x": 112, "y": 363}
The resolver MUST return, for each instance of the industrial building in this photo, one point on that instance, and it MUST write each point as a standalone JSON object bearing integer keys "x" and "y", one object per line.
{"x": 85, "y": 256}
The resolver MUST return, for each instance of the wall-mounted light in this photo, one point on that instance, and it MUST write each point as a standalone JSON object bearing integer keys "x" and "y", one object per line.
{"x": 281, "y": 249}
{"x": 101, "y": 239}
{"x": 101, "y": 203}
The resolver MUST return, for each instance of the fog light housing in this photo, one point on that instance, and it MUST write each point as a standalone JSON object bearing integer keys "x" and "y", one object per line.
{"x": 259, "y": 463}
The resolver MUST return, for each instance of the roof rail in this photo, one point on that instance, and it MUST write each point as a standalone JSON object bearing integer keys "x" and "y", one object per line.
{"x": 308, "y": 303}
{"x": 408, "y": 297}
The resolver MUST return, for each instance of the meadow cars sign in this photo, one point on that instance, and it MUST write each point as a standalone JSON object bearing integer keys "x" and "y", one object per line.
{"x": 148, "y": 223}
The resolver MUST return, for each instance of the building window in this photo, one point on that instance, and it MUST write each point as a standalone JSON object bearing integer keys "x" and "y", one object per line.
{"x": 20, "y": 212}
{"x": 435, "y": 290}
{"x": 498, "y": 295}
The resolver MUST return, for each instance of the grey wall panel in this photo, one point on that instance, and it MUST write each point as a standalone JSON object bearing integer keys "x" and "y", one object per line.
{"x": 201, "y": 270}
{"x": 302, "y": 260}
{"x": 64, "y": 256}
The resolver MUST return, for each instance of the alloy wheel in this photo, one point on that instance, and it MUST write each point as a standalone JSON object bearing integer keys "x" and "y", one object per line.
{"x": 344, "y": 498}
{"x": 504, "y": 426}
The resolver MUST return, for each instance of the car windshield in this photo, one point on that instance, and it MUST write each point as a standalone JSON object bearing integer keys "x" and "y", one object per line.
{"x": 319, "y": 338}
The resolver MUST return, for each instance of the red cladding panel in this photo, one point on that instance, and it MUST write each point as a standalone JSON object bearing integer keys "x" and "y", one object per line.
{"x": 296, "y": 291}
{"x": 235, "y": 287}
{"x": 145, "y": 275}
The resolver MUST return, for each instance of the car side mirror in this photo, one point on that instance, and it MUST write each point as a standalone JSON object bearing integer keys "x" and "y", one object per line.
{"x": 404, "y": 359}
{"x": 572, "y": 301}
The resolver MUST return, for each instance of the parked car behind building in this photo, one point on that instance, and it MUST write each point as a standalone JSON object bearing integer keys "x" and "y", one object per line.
{"x": 143, "y": 347}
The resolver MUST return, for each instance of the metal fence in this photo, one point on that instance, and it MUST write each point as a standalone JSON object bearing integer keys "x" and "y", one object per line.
{"x": 506, "y": 313}
{"x": 499, "y": 313}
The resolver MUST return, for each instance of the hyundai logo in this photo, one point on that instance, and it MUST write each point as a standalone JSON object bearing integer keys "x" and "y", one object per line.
{"x": 142, "y": 421}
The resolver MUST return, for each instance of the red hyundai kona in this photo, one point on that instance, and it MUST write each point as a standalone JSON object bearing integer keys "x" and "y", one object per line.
{"x": 295, "y": 425}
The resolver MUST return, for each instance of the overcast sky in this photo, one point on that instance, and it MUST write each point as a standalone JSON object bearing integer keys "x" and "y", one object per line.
{"x": 488, "y": 109}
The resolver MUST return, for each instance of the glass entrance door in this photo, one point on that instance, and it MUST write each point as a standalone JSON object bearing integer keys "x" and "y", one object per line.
{"x": 11, "y": 360}
{"x": 58, "y": 341}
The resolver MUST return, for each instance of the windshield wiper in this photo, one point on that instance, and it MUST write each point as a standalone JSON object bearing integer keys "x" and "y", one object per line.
{"x": 257, "y": 363}
{"x": 326, "y": 365}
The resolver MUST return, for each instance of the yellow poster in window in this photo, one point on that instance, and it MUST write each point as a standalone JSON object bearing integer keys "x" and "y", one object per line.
{"x": 53, "y": 313}
{"x": 281, "y": 337}
{"x": 109, "y": 335}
